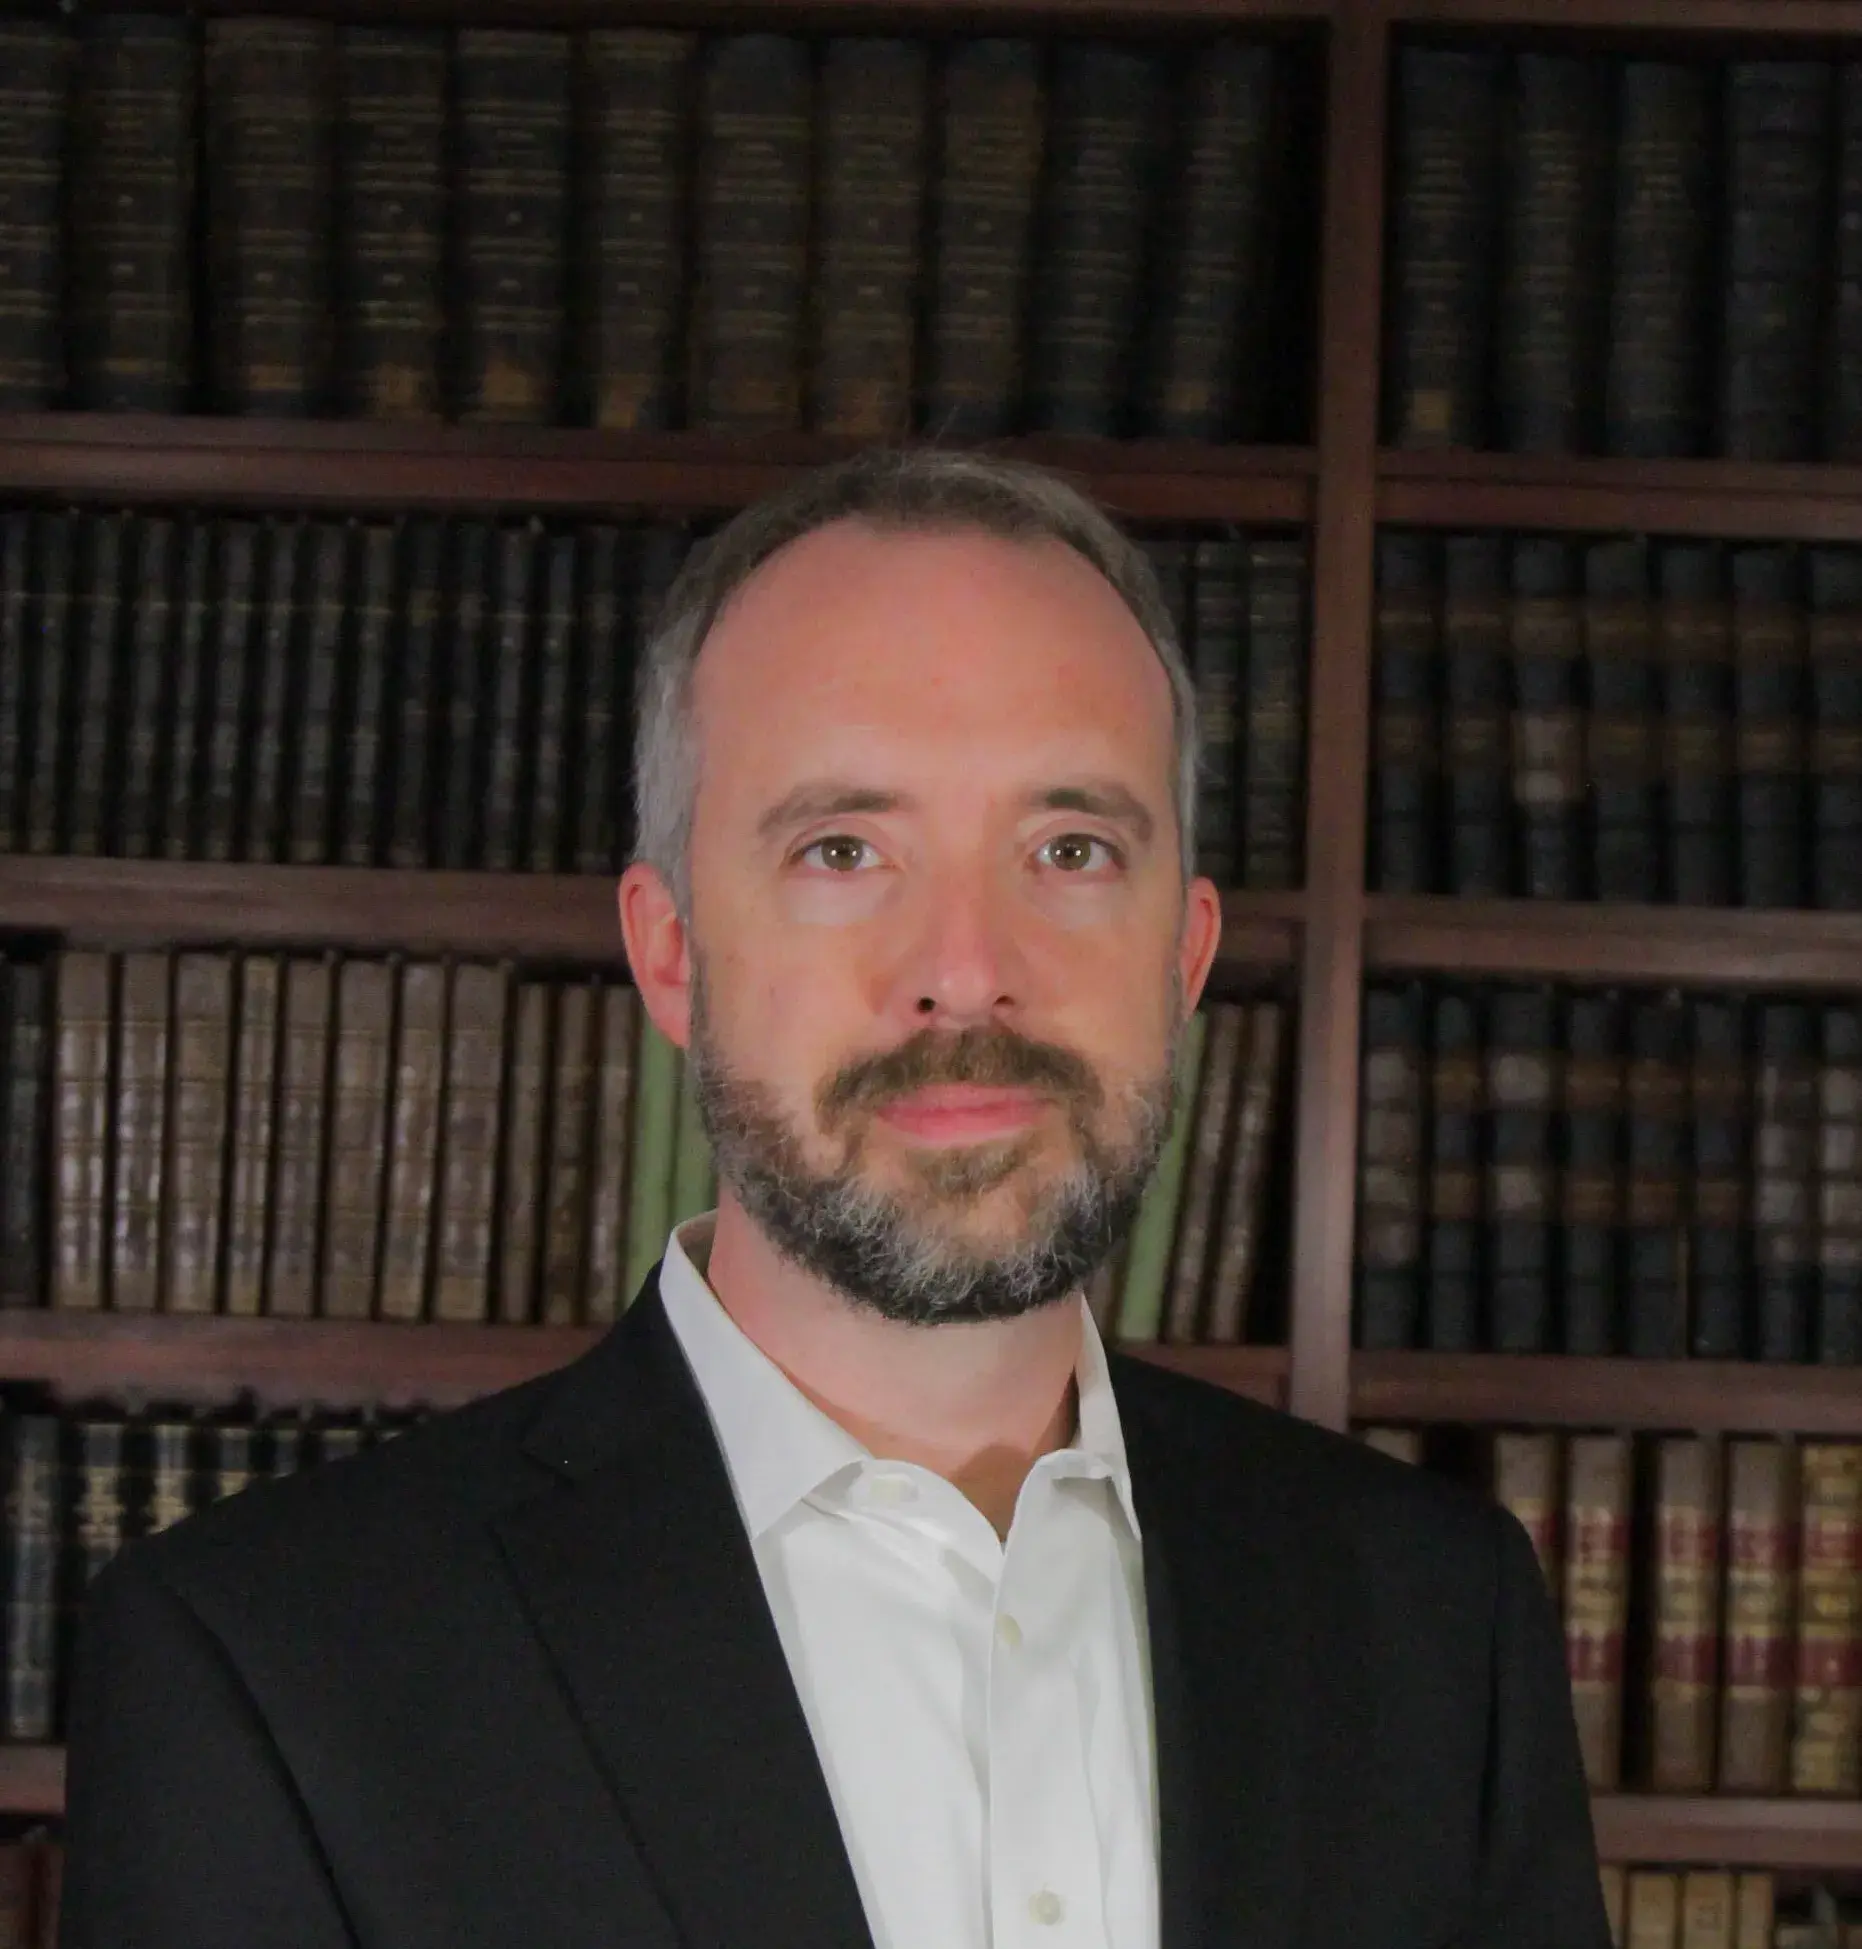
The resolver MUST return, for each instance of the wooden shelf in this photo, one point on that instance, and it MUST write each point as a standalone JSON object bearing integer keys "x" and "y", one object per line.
{"x": 32, "y": 1780}
{"x": 1836, "y": 19}
{"x": 1703, "y": 1831}
{"x": 1570, "y": 1391}
{"x": 1258, "y": 1372}
{"x": 988, "y": 16}
{"x": 1697, "y": 946}
{"x": 131, "y": 459}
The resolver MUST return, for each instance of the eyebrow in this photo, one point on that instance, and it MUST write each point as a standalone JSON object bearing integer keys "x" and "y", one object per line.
{"x": 1099, "y": 798}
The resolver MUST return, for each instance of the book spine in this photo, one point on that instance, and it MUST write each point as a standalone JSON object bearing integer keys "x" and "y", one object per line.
{"x": 465, "y": 687}
{"x": 361, "y": 748}
{"x": 352, "y": 1210}
{"x": 511, "y": 133}
{"x": 1190, "y": 1272}
{"x": 231, "y": 681}
{"x": 1686, "y": 1603}
{"x": 1620, "y": 759}
{"x": 597, "y": 723}
{"x": 1709, "y": 1915}
{"x": 1153, "y": 1233}
{"x": 1835, "y": 652}
{"x": 984, "y": 189}
{"x": 1841, "y": 400}
{"x": 1525, "y": 1473}
{"x": 470, "y": 1139}
{"x": 1836, "y": 1338}
{"x": 1273, "y": 731}
{"x": 255, "y": 1123}
{"x": 1591, "y": 1197}
{"x": 1231, "y": 1290}
{"x": 1655, "y": 1297}
{"x": 1661, "y": 243}
{"x": 1522, "y": 1184}
{"x": 604, "y": 1294}
{"x": 520, "y": 1167}
{"x": 1089, "y": 270}
{"x": 1452, "y": 1255}
{"x": 1694, "y": 628}
{"x": 549, "y": 778}
{"x": 280, "y": 721}
{"x": 1390, "y": 1164}
{"x": 198, "y": 1102}
{"x": 412, "y": 840}
{"x": 1755, "y": 1911}
{"x": 81, "y": 1129}
{"x": 15, "y": 657}
{"x": 184, "y": 812}
{"x": 390, "y": 230}
{"x": 1755, "y": 1695}
{"x": 147, "y": 725}
{"x": 35, "y": 104}
{"x": 874, "y": 115}
{"x": 87, "y": 799}
{"x": 296, "y": 1198}
{"x": 1719, "y": 1178}
{"x": 132, "y": 319}
{"x": 140, "y": 1071}
{"x": 1769, "y": 677}
{"x": 1218, "y": 655}
{"x": 751, "y": 247}
{"x": 30, "y": 1585}
{"x": 572, "y": 1104}
{"x": 27, "y": 1156}
{"x": 50, "y": 683}
{"x": 635, "y": 86}
{"x": 1826, "y": 1719}
{"x": 650, "y": 1146}
{"x": 1406, "y": 757}
{"x": 1546, "y": 641}
{"x": 420, "y": 1035}
{"x": 1443, "y": 223}
{"x": 1475, "y": 709}
{"x": 1596, "y": 1596}
{"x": 512, "y": 686}
{"x": 1784, "y": 1163}
{"x": 267, "y": 97}
{"x": 309, "y": 811}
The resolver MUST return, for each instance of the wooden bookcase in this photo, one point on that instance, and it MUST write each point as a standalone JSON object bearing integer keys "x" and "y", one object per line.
{"x": 1324, "y": 939}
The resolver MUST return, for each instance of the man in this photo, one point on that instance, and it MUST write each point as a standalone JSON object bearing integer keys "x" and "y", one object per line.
{"x": 849, "y": 1593}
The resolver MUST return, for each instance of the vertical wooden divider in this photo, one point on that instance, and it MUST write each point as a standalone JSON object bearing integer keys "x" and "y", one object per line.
{"x": 1350, "y": 348}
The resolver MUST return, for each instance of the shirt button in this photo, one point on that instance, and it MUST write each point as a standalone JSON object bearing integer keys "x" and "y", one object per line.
{"x": 1046, "y": 1907}
{"x": 1009, "y": 1632}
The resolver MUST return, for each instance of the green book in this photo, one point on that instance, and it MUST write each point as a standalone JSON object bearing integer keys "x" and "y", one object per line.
{"x": 1147, "y": 1262}
{"x": 654, "y": 1138}
{"x": 691, "y": 1166}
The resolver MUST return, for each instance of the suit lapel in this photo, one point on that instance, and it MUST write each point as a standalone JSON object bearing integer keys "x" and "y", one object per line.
{"x": 638, "y": 1576}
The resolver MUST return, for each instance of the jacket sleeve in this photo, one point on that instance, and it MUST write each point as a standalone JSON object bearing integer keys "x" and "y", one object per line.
{"x": 182, "y": 1828}
{"x": 1539, "y": 1886}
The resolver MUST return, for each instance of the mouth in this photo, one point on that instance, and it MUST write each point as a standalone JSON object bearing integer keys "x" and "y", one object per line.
{"x": 962, "y": 1114}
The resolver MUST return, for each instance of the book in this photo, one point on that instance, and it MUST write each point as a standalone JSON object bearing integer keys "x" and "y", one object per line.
{"x": 49, "y": 682}
{"x": 1476, "y": 730}
{"x": 1591, "y": 1183}
{"x": 1194, "y": 1258}
{"x": 1826, "y": 1717}
{"x": 80, "y": 1030}
{"x": 139, "y": 1071}
{"x": 1693, "y": 627}
{"x": 29, "y": 1573}
{"x": 183, "y": 810}
{"x": 1546, "y": 645}
{"x": 520, "y": 1161}
{"x": 1685, "y": 1603}
{"x": 1719, "y": 1180}
{"x": 605, "y": 1296}
{"x": 26, "y": 1155}
{"x": 510, "y": 693}
{"x": 1621, "y": 755}
{"x": 16, "y": 539}
{"x": 1756, "y": 1692}
{"x": 548, "y": 825}
{"x": 416, "y": 1084}
{"x": 296, "y": 1184}
{"x": 1452, "y": 1241}
{"x": 201, "y": 1069}
{"x": 465, "y": 680}
{"x": 273, "y": 743}
{"x": 1784, "y": 1180}
{"x": 1406, "y": 782}
{"x": 474, "y": 1063}
{"x": 1596, "y": 1596}
{"x": 1391, "y": 1160}
{"x": 1238, "y": 1221}
{"x": 36, "y": 60}
{"x": 1218, "y": 655}
{"x": 88, "y": 762}
{"x": 1525, "y": 1477}
{"x": 1769, "y": 673}
{"x": 1709, "y": 1914}
{"x": 1153, "y": 1232}
{"x": 1522, "y": 1090}
{"x": 568, "y": 1176}
{"x": 692, "y": 1176}
{"x": 309, "y": 814}
{"x": 231, "y": 673}
{"x": 148, "y": 728}
{"x": 253, "y": 1132}
{"x": 1836, "y": 1332}
{"x": 597, "y": 725}
{"x": 1655, "y": 1286}
{"x": 358, "y": 1139}
{"x": 1834, "y": 644}
{"x": 1273, "y": 721}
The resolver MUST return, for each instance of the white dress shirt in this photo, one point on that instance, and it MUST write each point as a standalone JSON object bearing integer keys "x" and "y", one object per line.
{"x": 981, "y": 1708}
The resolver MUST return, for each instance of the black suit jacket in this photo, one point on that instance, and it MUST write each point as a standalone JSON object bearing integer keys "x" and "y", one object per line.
{"x": 510, "y": 1680}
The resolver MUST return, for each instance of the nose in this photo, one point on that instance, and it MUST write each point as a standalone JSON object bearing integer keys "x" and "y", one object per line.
{"x": 960, "y": 965}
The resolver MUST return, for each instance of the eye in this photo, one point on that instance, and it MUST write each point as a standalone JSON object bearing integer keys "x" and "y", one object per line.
{"x": 1072, "y": 852}
{"x": 839, "y": 851}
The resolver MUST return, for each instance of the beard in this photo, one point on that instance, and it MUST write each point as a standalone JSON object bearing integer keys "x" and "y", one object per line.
{"x": 903, "y": 1253}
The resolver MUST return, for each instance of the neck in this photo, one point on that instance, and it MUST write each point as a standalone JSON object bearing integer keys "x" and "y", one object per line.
{"x": 977, "y": 1402}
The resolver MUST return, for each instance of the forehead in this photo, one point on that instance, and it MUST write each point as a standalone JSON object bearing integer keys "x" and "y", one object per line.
{"x": 855, "y": 638}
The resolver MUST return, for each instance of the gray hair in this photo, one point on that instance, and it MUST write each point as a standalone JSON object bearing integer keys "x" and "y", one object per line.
{"x": 922, "y": 489}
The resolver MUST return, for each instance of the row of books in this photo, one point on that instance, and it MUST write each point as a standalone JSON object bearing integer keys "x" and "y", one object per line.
{"x": 303, "y": 1137}
{"x": 641, "y": 228}
{"x": 1718, "y": 1908}
{"x": 32, "y": 1876}
{"x": 1620, "y": 254}
{"x": 1711, "y": 1591}
{"x": 1620, "y": 720}
{"x": 1548, "y": 1169}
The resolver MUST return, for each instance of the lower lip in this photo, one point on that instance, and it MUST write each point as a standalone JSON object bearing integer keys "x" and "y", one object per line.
{"x": 962, "y": 1116}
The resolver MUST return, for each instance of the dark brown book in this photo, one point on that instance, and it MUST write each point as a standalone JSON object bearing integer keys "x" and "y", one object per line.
{"x": 414, "y": 706}
{"x": 89, "y": 762}
{"x": 1836, "y": 1337}
{"x": 281, "y": 730}
{"x": 547, "y": 820}
{"x": 1826, "y": 1718}
{"x": 199, "y": 1101}
{"x": 1596, "y": 1596}
{"x": 604, "y": 1293}
{"x": 309, "y": 812}
{"x": 1273, "y": 723}
{"x": 1526, "y": 1476}
{"x": 569, "y": 1175}
{"x": 870, "y": 191}
{"x": 254, "y": 1131}
{"x": 1390, "y": 1167}
{"x": 29, "y": 1575}
{"x": 352, "y": 1210}
{"x": 267, "y": 92}
{"x": 1755, "y": 1697}
{"x": 521, "y": 1179}
{"x": 1835, "y": 651}
{"x": 1239, "y": 1223}
{"x": 470, "y": 1137}
{"x": 599, "y": 721}
{"x": 18, "y": 1888}
{"x": 1709, "y": 1909}
{"x": 35, "y": 102}
{"x": 751, "y": 244}
{"x": 1621, "y": 745}
{"x": 511, "y": 208}
{"x": 465, "y": 686}
{"x": 362, "y": 746}
{"x": 1453, "y": 1270}
{"x": 293, "y": 1247}
{"x": 1193, "y": 1261}
{"x": 1695, "y": 644}
{"x": 183, "y": 811}
{"x": 27, "y": 1156}
{"x": 391, "y": 219}
{"x": 511, "y": 694}
{"x": 49, "y": 678}
{"x": 1476, "y": 701}
{"x": 1685, "y": 1604}
{"x": 984, "y": 188}
{"x": 1592, "y": 1188}
{"x": 1719, "y": 1181}
{"x": 140, "y": 1080}
{"x": 1218, "y": 648}
{"x": 81, "y": 1129}
{"x": 1523, "y": 1058}
{"x": 1655, "y": 1293}
{"x": 131, "y": 320}
{"x": 1545, "y": 638}
{"x": 1406, "y": 752}
{"x": 1784, "y": 1182}
{"x": 1770, "y": 668}
{"x": 417, "y": 1082}
{"x": 148, "y": 713}
{"x": 633, "y": 174}
{"x": 232, "y": 690}
{"x": 16, "y": 658}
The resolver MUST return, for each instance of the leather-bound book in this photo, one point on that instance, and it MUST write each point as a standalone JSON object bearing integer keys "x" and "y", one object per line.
{"x": 1390, "y": 1166}
{"x": 149, "y": 700}
{"x": 571, "y": 1135}
{"x": 140, "y": 1080}
{"x": 413, "y": 1139}
{"x": 95, "y": 1518}
{"x": 1755, "y": 1696}
{"x": 1522, "y": 1060}
{"x": 870, "y": 184}
{"x": 634, "y": 87}
{"x": 651, "y": 1144}
{"x": 659, "y": 552}
{"x": 751, "y": 239}
{"x": 29, "y": 1574}
{"x": 1443, "y": 234}
{"x": 521, "y": 1181}
{"x": 414, "y": 768}
{"x": 1615, "y": 1879}
{"x": 35, "y": 102}
{"x": 1239, "y": 1225}
{"x": 199, "y": 1099}
{"x": 309, "y": 812}
{"x": 599, "y": 721}
{"x": 1784, "y": 1180}
{"x": 1622, "y": 741}
{"x": 510, "y": 692}
{"x": 1756, "y": 1910}
{"x": 604, "y": 1295}
{"x": 983, "y": 194}
{"x": 1836, "y": 1331}
{"x": 1661, "y": 259}
{"x": 352, "y": 1210}
{"x": 15, "y": 659}
{"x": 1709, "y": 1909}
{"x": 1835, "y": 646}
{"x": 1596, "y": 1596}
{"x": 1841, "y": 377}
{"x": 91, "y": 765}
{"x": 1553, "y": 238}
{"x": 268, "y": 98}
{"x": 281, "y": 729}
{"x": 81, "y": 1128}
{"x": 391, "y": 196}
{"x": 49, "y": 680}
{"x": 1655, "y": 1289}
{"x": 1826, "y": 1717}
{"x": 1476, "y": 704}
{"x": 183, "y": 814}
{"x": 1406, "y": 755}
{"x": 1193, "y": 1265}
{"x": 231, "y": 685}
{"x": 1545, "y": 636}
{"x": 254, "y": 1131}
{"x": 1526, "y": 1477}
{"x": 131, "y": 314}
{"x": 1090, "y": 265}
{"x": 1218, "y": 655}
{"x": 1273, "y": 731}
{"x": 1154, "y": 1230}
{"x": 474, "y": 1058}
{"x": 1693, "y": 627}
{"x": 1591, "y": 1189}
{"x": 294, "y": 1245}
{"x": 511, "y": 207}
{"x": 361, "y": 751}
{"x": 1206, "y": 349}
{"x": 1452, "y": 1256}
{"x": 549, "y": 778}
{"x": 176, "y": 1488}
{"x": 1685, "y": 1605}
{"x": 1719, "y": 1180}
{"x": 25, "y": 1154}
{"x": 465, "y": 690}
{"x": 1777, "y": 125}
{"x": 1769, "y": 676}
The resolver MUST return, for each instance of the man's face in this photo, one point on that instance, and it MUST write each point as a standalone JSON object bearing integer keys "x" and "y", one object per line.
{"x": 939, "y": 961}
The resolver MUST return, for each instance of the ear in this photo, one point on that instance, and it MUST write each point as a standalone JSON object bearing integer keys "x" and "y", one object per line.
{"x": 658, "y": 951}
{"x": 1199, "y": 938}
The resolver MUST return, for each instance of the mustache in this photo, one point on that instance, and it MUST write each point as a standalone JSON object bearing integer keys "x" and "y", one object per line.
{"x": 993, "y": 1058}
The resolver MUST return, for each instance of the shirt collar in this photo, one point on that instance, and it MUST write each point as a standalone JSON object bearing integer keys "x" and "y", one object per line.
{"x": 779, "y": 1447}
